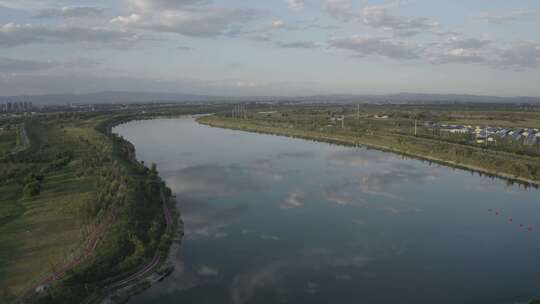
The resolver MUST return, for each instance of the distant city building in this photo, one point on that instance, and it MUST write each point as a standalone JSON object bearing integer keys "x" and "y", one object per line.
{"x": 16, "y": 107}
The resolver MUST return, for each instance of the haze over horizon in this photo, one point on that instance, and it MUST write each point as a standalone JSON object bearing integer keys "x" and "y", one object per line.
{"x": 279, "y": 47}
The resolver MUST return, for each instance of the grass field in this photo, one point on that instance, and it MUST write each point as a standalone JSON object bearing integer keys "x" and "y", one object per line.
{"x": 39, "y": 233}
{"x": 8, "y": 141}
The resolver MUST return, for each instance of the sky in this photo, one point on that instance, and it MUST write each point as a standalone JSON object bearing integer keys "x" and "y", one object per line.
{"x": 270, "y": 47}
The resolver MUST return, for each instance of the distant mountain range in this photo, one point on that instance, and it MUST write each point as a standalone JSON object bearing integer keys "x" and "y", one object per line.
{"x": 144, "y": 97}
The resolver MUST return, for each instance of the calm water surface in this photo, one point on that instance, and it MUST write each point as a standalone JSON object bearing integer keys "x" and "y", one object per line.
{"x": 278, "y": 220}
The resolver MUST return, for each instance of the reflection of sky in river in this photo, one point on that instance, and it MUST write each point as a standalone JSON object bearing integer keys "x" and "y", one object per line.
{"x": 277, "y": 220}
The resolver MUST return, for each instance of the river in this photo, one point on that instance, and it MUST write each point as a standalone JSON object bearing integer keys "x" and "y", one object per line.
{"x": 271, "y": 219}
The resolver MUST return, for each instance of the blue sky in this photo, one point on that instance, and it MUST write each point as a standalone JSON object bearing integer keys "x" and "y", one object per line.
{"x": 273, "y": 47}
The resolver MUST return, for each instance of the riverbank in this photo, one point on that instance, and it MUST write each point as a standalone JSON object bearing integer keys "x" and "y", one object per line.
{"x": 384, "y": 143}
{"x": 115, "y": 216}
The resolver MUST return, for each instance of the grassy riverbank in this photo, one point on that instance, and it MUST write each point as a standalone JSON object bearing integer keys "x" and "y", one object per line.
{"x": 513, "y": 167}
{"x": 76, "y": 209}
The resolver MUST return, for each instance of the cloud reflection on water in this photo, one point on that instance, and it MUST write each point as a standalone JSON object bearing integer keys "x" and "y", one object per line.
{"x": 295, "y": 199}
{"x": 378, "y": 183}
{"x": 202, "y": 219}
{"x": 212, "y": 180}
{"x": 276, "y": 275}
{"x": 358, "y": 157}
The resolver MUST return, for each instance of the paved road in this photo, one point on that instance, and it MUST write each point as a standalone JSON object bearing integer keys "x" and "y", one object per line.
{"x": 24, "y": 137}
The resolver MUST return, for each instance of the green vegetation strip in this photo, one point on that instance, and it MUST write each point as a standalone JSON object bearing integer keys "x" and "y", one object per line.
{"x": 77, "y": 209}
{"x": 509, "y": 166}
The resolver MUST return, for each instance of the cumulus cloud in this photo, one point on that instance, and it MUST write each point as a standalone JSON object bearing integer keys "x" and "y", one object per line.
{"x": 126, "y": 20}
{"x": 505, "y": 18}
{"x": 514, "y": 56}
{"x": 25, "y": 5}
{"x": 266, "y": 31}
{"x": 520, "y": 55}
{"x": 195, "y": 18}
{"x": 362, "y": 46}
{"x": 340, "y": 9}
{"x": 458, "y": 50}
{"x": 200, "y": 22}
{"x": 296, "y": 4}
{"x": 298, "y": 45}
{"x": 148, "y": 5}
{"x": 16, "y": 34}
{"x": 72, "y": 12}
{"x": 379, "y": 16}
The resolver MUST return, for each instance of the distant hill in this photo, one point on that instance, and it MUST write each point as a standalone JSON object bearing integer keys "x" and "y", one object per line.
{"x": 409, "y": 98}
{"x": 140, "y": 97}
{"x": 107, "y": 97}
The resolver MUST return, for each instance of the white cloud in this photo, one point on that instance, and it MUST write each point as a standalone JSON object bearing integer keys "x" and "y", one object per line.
{"x": 379, "y": 16}
{"x": 149, "y": 5}
{"x": 514, "y": 56}
{"x": 72, "y": 12}
{"x": 195, "y": 18}
{"x": 25, "y": 5}
{"x": 298, "y": 45}
{"x": 362, "y": 46}
{"x": 340, "y": 9}
{"x": 126, "y": 20}
{"x": 521, "y": 55}
{"x": 505, "y": 18}
{"x": 15, "y": 34}
{"x": 456, "y": 50}
{"x": 296, "y": 4}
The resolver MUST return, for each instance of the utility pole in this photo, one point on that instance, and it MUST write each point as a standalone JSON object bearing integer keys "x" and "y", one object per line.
{"x": 343, "y": 122}
{"x": 415, "y": 127}
{"x": 358, "y": 112}
{"x": 485, "y": 136}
